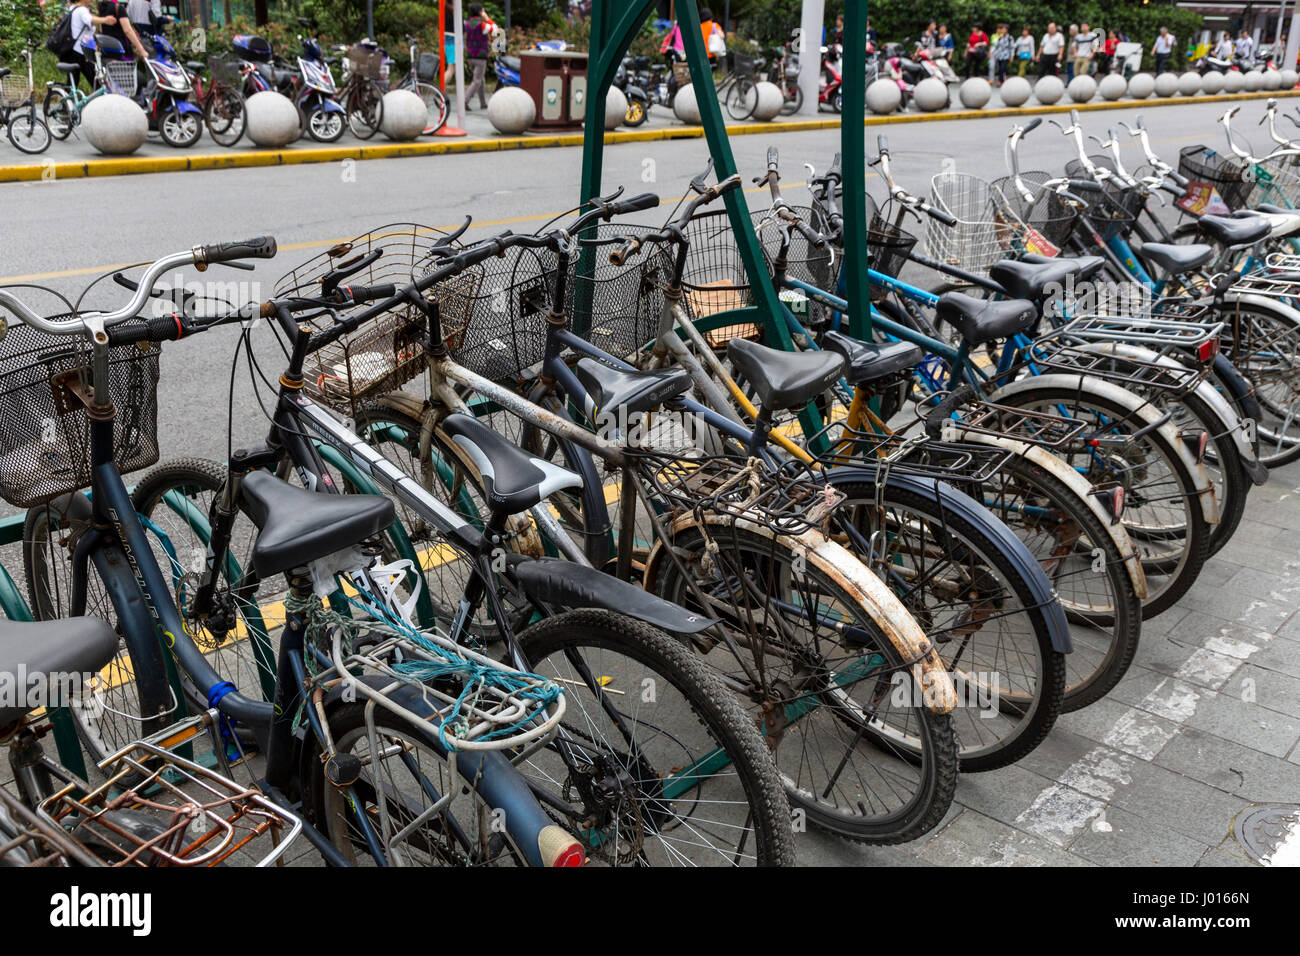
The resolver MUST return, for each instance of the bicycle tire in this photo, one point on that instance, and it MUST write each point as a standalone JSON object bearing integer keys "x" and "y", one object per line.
{"x": 225, "y": 116}
{"x": 436, "y": 103}
{"x": 793, "y": 101}
{"x": 760, "y": 806}
{"x": 365, "y": 109}
{"x": 913, "y": 748}
{"x": 1171, "y": 570}
{"x": 1274, "y": 375}
{"x": 740, "y": 99}
{"x": 61, "y": 113}
{"x": 930, "y": 550}
{"x": 28, "y": 133}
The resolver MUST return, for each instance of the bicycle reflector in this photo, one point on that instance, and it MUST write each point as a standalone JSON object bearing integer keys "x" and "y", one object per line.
{"x": 1208, "y": 349}
{"x": 559, "y": 848}
{"x": 1112, "y": 499}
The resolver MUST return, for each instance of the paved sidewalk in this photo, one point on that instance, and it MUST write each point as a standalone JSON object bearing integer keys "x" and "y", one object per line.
{"x": 1204, "y": 728}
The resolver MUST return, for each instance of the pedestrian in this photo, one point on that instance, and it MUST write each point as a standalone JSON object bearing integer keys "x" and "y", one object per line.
{"x": 1072, "y": 36}
{"x": 945, "y": 44}
{"x": 715, "y": 38}
{"x": 1223, "y": 49}
{"x": 1245, "y": 48}
{"x": 977, "y": 50}
{"x": 1003, "y": 45}
{"x": 871, "y": 31}
{"x": 1050, "y": 51}
{"x": 478, "y": 29}
{"x": 83, "y": 32}
{"x": 1085, "y": 47}
{"x": 1162, "y": 48}
{"x": 1024, "y": 50}
{"x": 146, "y": 16}
{"x": 1106, "y": 63}
{"x": 929, "y": 38}
{"x": 121, "y": 29}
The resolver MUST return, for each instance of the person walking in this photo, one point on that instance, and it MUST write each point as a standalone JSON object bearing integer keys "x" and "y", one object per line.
{"x": 1069, "y": 52}
{"x": 1162, "y": 49}
{"x": 1223, "y": 50}
{"x": 1002, "y": 48}
{"x": 1050, "y": 51}
{"x": 1085, "y": 47}
{"x": 478, "y": 28}
{"x": 1245, "y": 48}
{"x": 1024, "y": 50}
{"x": 83, "y": 32}
{"x": 715, "y": 38}
{"x": 977, "y": 51}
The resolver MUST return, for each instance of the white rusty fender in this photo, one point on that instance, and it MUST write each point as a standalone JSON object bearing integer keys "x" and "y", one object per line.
{"x": 1037, "y": 455}
{"x": 1201, "y": 480}
{"x": 876, "y": 599}
{"x": 1204, "y": 391}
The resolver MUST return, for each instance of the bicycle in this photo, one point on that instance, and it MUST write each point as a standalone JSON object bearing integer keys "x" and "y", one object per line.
{"x": 495, "y": 323}
{"x": 690, "y": 782}
{"x": 738, "y": 90}
{"x": 25, "y": 129}
{"x": 220, "y": 101}
{"x": 361, "y": 95}
{"x": 449, "y": 719}
{"x": 64, "y": 102}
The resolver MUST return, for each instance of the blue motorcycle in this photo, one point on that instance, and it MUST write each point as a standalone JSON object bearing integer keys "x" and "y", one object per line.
{"x": 506, "y": 67}
{"x": 168, "y": 94}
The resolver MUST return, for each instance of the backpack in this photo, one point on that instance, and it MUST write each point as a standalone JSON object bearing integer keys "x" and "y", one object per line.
{"x": 59, "y": 42}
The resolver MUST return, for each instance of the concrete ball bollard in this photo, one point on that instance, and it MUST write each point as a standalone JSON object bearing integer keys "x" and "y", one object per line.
{"x": 1287, "y": 79}
{"x": 404, "y": 117}
{"x": 511, "y": 110}
{"x": 1234, "y": 81}
{"x": 1272, "y": 80}
{"x": 1082, "y": 89}
{"x": 1112, "y": 87}
{"x": 1016, "y": 91}
{"x": 1212, "y": 82}
{"x": 615, "y": 107}
{"x": 1049, "y": 90}
{"x": 1254, "y": 81}
{"x": 975, "y": 93}
{"x": 767, "y": 106}
{"x": 1141, "y": 86}
{"x": 685, "y": 108}
{"x": 883, "y": 96}
{"x": 1189, "y": 84}
{"x": 931, "y": 94}
{"x": 271, "y": 120}
{"x": 115, "y": 125}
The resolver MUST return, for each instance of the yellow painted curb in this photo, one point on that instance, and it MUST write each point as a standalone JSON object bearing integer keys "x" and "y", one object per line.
{"x": 129, "y": 165}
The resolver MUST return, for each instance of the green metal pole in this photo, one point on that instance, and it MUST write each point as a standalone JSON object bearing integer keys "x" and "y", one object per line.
{"x": 853, "y": 149}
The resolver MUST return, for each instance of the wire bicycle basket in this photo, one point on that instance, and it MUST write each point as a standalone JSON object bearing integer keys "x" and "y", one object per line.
{"x": 1230, "y": 177}
{"x": 382, "y": 355}
{"x": 122, "y": 76}
{"x": 1048, "y": 219}
{"x": 45, "y": 436}
{"x": 888, "y": 247}
{"x": 1278, "y": 178}
{"x": 14, "y": 91}
{"x": 365, "y": 62}
{"x": 980, "y": 237}
{"x": 617, "y": 308}
{"x": 226, "y": 71}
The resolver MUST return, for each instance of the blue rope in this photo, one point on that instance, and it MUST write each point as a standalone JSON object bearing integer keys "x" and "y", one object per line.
{"x": 475, "y": 675}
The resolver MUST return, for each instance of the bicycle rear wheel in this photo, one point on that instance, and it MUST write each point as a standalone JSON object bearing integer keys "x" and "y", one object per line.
{"x": 657, "y": 764}
{"x": 28, "y": 133}
{"x": 1265, "y": 348}
{"x": 225, "y": 117}
{"x": 435, "y": 103}
{"x": 858, "y": 749}
{"x": 61, "y": 112}
{"x": 365, "y": 108}
{"x": 741, "y": 98}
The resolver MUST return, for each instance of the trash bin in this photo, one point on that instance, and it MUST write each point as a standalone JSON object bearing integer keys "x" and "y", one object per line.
{"x": 557, "y": 82}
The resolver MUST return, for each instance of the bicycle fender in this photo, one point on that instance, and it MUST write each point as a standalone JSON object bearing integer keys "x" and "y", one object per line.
{"x": 974, "y": 513}
{"x": 498, "y": 781}
{"x": 1229, "y": 420}
{"x": 1139, "y": 407}
{"x": 840, "y": 566}
{"x": 569, "y": 585}
{"x": 1058, "y": 469}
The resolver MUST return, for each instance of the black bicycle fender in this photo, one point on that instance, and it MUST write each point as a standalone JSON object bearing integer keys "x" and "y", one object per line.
{"x": 976, "y": 514}
{"x": 567, "y": 585}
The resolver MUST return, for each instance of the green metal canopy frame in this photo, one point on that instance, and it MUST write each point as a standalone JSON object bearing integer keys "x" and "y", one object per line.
{"x": 614, "y": 25}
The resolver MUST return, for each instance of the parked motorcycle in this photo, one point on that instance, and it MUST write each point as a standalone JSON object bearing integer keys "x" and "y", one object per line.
{"x": 506, "y": 67}
{"x": 167, "y": 96}
{"x": 322, "y": 116}
{"x": 262, "y": 71}
{"x": 627, "y": 79}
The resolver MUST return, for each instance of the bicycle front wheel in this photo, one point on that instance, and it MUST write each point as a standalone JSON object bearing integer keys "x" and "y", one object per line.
{"x": 1265, "y": 348}
{"x": 60, "y": 112}
{"x": 656, "y": 763}
{"x": 365, "y": 107}
{"x": 435, "y": 103}
{"x": 28, "y": 133}
{"x": 225, "y": 117}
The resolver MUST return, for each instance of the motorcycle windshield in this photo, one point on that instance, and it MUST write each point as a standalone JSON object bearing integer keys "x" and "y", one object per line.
{"x": 318, "y": 77}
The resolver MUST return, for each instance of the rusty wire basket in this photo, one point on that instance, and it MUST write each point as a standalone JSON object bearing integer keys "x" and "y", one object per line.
{"x": 365, "y": 62}
{"x": 617, "y": 308}
{"x": 382, "y": 355}
{"x": 155, "y": 808}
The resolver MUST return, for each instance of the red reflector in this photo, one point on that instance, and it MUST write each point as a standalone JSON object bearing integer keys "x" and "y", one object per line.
{"x": 1117, "y": 503}
{"x": 1207, "y": 350}
{"x": 1200, "y": 447}
{"x": 571, "y": 855}
{"x": 1094, "y": 442}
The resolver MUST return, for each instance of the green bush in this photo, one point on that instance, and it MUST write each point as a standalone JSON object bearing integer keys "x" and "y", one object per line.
{"x": 24, "y": 20}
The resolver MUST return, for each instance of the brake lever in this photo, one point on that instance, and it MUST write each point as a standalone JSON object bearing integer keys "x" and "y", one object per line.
{"x": 698, "y": 185}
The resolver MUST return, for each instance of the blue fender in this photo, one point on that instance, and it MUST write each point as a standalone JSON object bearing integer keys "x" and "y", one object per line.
{"x": 185, "y": 106}
{"x": 329, "y": 106}
{"x": 970, "y": 510}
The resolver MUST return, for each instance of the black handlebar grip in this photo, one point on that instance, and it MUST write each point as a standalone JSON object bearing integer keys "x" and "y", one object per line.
{"x": 1034, "y": 123}
{"x": 635, "y": 204}
{"x": 948, "y": 219}
{"x": 263, "y": 247}
{"x": 369, "y": 293}
{"x": 943, "y": 411}
{"x": 154, "y": 328}
{"x": 773, "y": 159}
{"x": 1085, "y": 185}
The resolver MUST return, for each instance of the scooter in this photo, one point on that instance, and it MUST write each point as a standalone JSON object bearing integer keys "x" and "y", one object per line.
{"x": 260, "y": 68}
{"x": 166, "y": 98}
{"x": 638, "y": 101}
{"x": 831, "y": 91}
{"x": 935, "y": 66}
{"x": 322, "y": 116}
{"x": 506, "y": 67}
{"x": 905, "y": 72}
{"x": 1214, "y": 64}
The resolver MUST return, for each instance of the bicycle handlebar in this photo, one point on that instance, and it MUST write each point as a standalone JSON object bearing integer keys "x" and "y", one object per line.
{"x": 674, "y": 231}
